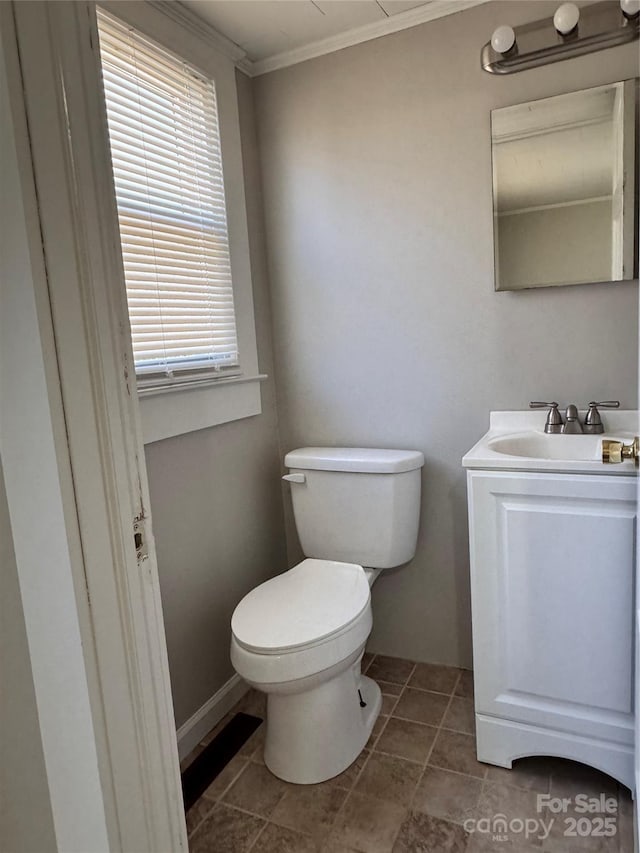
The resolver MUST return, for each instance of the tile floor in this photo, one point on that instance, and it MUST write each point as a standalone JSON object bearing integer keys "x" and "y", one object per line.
{"x": 410, "y": 791}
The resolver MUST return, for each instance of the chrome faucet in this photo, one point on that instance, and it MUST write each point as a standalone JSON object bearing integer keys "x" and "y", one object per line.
{"x": 571, "y": 426}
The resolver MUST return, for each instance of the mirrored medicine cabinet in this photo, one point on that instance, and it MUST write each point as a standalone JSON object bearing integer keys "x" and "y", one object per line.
{"x": 564, "y": 190}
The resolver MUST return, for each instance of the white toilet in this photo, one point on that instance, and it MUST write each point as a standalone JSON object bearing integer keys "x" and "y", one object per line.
{"x": 300, "y": 636}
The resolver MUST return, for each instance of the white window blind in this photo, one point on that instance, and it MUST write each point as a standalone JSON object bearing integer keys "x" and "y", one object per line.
{"x": 167, "y": 164}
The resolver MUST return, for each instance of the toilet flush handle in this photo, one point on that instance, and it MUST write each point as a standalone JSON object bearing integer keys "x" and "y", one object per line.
{"x": 294, "y": 478}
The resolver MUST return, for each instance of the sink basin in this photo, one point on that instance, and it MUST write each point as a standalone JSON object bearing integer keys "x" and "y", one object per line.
{"x": 539, "y": 445}
{"x": 516, "y": 441}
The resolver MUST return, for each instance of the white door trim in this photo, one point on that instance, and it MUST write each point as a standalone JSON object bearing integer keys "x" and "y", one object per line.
{"x": 38, "y": 484}
{"x": 74, "y": 462}
{"x": 636, "y": 629}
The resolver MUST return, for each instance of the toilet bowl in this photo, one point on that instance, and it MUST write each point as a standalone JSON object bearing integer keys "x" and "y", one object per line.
{"x": 300, "y": 636}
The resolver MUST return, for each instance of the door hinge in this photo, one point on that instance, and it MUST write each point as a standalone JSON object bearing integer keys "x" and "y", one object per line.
{"x": 140, "y": 538}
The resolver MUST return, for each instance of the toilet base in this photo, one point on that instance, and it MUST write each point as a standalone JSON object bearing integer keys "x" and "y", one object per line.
{"x": 314, "y": 735}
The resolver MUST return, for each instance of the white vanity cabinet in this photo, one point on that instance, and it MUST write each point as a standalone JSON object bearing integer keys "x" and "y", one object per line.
{"x": 552, "y": 585}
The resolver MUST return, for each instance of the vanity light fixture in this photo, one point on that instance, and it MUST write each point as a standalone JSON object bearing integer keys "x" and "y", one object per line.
{"x": 571, "y": 32}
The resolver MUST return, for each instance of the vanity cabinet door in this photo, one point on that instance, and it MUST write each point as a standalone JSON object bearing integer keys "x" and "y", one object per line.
{"x": 552, "y": 582}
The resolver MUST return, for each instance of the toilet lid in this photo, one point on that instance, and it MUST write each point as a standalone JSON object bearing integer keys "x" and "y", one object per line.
{"x": 310, "y": 602}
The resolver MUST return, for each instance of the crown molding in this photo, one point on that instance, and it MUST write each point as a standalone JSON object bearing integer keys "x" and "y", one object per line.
{"x": 392, "y": 24}
{"x": 197, "y": 25}
{"x": 246, "y": 66}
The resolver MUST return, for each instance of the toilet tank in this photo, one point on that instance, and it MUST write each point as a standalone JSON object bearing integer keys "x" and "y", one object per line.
{"x": 356, "y": 505}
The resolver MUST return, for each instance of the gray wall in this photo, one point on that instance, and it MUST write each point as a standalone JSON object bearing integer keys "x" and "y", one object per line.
{"x": 556, "y": 244}
{"x": 376, "y": 168}
{"x": 26, "y": 823}
{"x": 216, "y": 501}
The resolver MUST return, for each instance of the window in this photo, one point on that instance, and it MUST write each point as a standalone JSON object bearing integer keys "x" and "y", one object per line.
{"x": 167, "y": 164}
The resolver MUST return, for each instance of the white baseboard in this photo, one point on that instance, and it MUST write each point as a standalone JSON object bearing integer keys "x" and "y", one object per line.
{"x": 205, "y": 718}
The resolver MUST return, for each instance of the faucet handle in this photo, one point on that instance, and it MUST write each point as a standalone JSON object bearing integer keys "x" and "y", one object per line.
{"x": 605, "y": 404}
{"x": 592, "y": 421}
{"x": 554, "y": 418}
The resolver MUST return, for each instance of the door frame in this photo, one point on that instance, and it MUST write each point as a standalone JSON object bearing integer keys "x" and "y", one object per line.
{"x": 636, "y": 690}
{"x": 72, "y": 452}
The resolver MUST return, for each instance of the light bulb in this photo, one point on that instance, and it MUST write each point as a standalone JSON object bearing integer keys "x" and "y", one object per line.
{"x": 503, "y": 39}
{"x": 566, "y": 18}
{"x": 630, "y": 8}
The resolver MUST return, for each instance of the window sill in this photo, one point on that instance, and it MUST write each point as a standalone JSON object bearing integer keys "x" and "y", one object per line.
{"x": 189, "y": 406}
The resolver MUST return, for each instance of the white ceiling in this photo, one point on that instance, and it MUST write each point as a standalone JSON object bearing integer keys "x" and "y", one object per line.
{"x": 264, "y": 28}
{"x": 276, "y": 33}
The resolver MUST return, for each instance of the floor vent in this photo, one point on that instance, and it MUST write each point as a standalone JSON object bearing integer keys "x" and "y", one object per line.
{"x": 214, "y": 758}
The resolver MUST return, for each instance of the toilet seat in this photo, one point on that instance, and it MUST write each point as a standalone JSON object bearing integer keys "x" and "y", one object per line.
{"x": 314, "y": 603}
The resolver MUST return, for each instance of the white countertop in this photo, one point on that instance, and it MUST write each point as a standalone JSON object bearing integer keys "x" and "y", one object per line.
{"x": 564, "y": 453}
